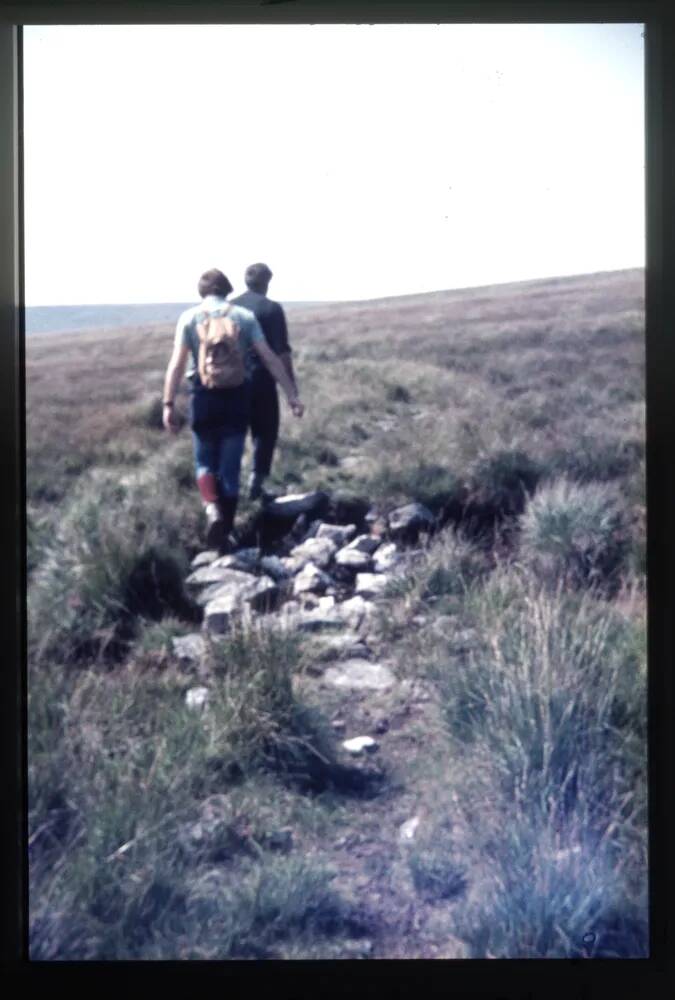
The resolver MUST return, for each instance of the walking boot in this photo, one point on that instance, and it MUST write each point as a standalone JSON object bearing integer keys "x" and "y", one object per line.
{"x": 228, "y": 509}
{"x": 215, "y": 524}
{"x": 255, "y": 485}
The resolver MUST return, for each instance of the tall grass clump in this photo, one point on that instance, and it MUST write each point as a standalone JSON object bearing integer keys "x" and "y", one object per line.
{"x": 574, "y": 532}
{"x": 120, "y": 551}
{"x": 549, "y": 713}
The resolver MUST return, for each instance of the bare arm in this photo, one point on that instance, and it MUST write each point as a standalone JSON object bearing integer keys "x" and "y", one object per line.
{"x": 174, "y": 373}
{"x": 287, "y": 362}
{"x": 279, "y": 372}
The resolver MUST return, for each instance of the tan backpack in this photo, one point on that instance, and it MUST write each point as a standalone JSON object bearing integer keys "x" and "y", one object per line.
{"x": 221, "y": 358}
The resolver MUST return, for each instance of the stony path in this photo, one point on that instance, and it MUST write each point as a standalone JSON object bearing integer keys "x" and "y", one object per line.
{"x": 329, "y": 583}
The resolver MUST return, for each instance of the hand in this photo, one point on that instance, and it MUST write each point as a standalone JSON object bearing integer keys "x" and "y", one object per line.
{"x": 297, "y": 408}
{"x": 169, "y": 419}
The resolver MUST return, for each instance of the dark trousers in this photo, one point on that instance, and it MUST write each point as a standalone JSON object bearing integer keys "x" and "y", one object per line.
{"x": 264, "y": 422}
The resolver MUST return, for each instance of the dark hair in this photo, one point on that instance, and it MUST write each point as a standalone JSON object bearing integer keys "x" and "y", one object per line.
{"x": 214, "y": 282}
{"x": 257, "y": 275}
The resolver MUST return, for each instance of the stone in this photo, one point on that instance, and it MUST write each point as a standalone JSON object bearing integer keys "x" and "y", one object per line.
{"x": 312, "y": 579}
{"x": 204, "y": 558}
{"x": 278, "y": 840}
{"x": 360, "y": 744}
{"x": 358, "y": 675}
{"x": 371, "y": 584}
{"x": 319, "y": 551}
{"x": 189, "y": 647}
{"x": 217, "y": 574}
{"x": 386, "y": 557}
{"x": 316, "y": 621}
{"x": 294, "y": 504}
{"x": 258, "y": 593}
{"x": 197, "y": 697}
{"x": 339, "y": 725}
{"x": 356, "y": 610}
{"x": 245, "y": 560}
{"x": 338, "y": 533}
{"x": 353, "y": 559}
{"x": 407, "y": 830}
{"x": 411, "y": 518}
{"x": 347, "y": 644}
{"x": 326, "y": 603}
{"x": 364, "y": 543}
{"x": 275, "y": 567}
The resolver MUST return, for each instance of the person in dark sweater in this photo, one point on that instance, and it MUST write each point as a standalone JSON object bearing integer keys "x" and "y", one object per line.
{"x": 264, "y": 421}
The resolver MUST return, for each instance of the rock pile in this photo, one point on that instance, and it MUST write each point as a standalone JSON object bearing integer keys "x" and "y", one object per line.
{"x": 323, "y": 575}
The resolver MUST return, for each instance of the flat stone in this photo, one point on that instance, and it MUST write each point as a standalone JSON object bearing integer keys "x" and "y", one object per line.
{"x": 260, "y": 594}
{"x": 318, "y": 551}
{"x": 359, "y": 675}
{"x": 197, "y": 697}
{"x": 217, "y": 574}
{"x": 317, "y": 621}
{"x": 245, "y": 560}
{"x": 364, "y": 543}
{"x": 371, "y": 584}
{"x": 204, "y": 558}
{"x": 338, "y": 533}
{"x": 293, "y": 504}
{"x": 311, "y": 579}
{"x": 386, "y": 557}
{"x": 360, "y": 744}
{"x": 353, "y": 559}
{"x": 275, "y": 567}
{"x": 410, "y": 517}
{"x": 347, "y": 644}
{"x": 189, "y": 647}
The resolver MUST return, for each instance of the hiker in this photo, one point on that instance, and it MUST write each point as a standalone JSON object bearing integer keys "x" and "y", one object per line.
{"x": 264, "y": 400}
{"x": 219, "y": 340}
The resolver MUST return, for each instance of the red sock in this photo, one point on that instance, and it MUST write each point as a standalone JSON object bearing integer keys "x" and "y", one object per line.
{"x": 208, "y": 487}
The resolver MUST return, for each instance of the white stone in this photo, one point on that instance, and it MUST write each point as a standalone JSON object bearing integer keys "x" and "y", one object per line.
{"x": 294, "y": 504}
{"x": 353, "y": 558}
{"x": 189, "y": 647}
{"x": 386, "y": 557}
{"x": 318, "y": 551}
{"x": 204, "y": 558}
{"x": 217, "y": 574}
{"x": 258, "y": 593}
{"x": 358, "y": 744}
{"x": 312, "y": 579}
{"x": 326, "y": 603}
{"x": 356, "y": 610}
{"x": 370, "y": 584}
{"x": 197, "y": 697}
{"x": 338, "y": 533}
{"x": 360, "y": 675}
{"x": 407, "y": 830}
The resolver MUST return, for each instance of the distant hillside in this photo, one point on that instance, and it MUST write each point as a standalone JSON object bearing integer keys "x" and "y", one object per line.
{"x": 69, "y": 319}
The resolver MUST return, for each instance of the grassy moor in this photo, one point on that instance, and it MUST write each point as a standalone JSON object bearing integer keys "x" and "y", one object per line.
{"x": 504, "y": 811}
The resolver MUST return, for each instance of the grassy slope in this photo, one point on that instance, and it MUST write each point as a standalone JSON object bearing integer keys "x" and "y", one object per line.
{"x": 456, "y": 398}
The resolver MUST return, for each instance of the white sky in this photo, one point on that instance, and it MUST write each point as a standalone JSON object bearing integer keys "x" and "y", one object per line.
{"x": 357, "y": 161}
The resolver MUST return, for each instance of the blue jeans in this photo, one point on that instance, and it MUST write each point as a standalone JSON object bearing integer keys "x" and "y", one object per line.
{"x": 219, "y": 421}
{"x": 220, "y": 451}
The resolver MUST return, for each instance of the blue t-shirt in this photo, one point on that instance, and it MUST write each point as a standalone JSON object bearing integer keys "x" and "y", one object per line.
{"x": 250, "y": 331}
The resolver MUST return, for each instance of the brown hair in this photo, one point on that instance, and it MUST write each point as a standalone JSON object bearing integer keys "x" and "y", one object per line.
{"x": 257, "y": 275}
{"x": 214, "y": 282}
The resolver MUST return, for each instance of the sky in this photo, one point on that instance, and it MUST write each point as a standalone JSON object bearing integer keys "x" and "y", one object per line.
{"x": 358, "y": 161}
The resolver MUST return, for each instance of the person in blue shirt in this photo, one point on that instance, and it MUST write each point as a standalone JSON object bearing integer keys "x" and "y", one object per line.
{"x": 264, "y": 423}
{"x": 219, "y": 418}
